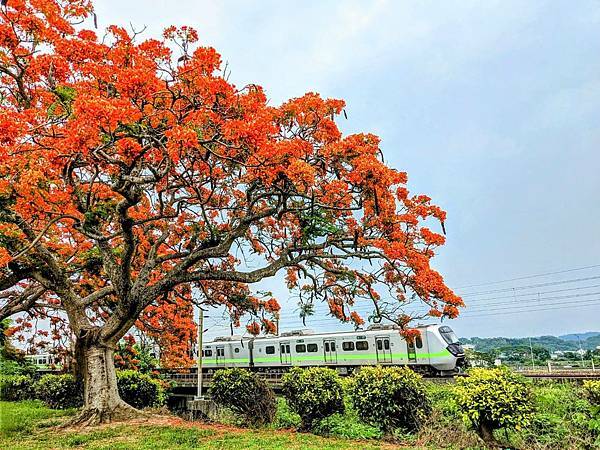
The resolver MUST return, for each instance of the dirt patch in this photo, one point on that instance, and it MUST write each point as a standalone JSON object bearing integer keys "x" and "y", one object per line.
{"x": 154, "y": 419}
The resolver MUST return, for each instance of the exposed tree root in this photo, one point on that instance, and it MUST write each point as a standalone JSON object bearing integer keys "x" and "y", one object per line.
{"x": 91, "y": 416}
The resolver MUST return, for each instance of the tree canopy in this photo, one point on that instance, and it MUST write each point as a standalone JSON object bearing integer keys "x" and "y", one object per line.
{"x": 136, "y": 179}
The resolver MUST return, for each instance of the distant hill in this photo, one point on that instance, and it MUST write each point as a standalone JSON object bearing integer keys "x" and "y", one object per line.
{"x": 593, "y": 342}
{"x": 589, "y": 341}
{"x": 582, "y": 336}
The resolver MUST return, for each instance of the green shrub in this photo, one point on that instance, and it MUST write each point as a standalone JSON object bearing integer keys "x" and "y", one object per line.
{"x": 494, "y": 398}
{"x": 313, "y": 393}
{"x": 140, "y": 390}
{"x": 59, "y": 391}
{"x": 285, "y": 417}
{"x": 592, "y": 391}
{"x": 14, "y": 388}
{"x": 346, "y": 426}
{"x": 246, "y": 394}
{"x": 390, "y": 397}
{"x": 15, "y": 367}
{"x": 561, "y": 418}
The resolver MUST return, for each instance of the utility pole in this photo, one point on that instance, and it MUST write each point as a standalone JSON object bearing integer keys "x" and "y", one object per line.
{"x": 200, "y": 333}
{"x": 580, "y": 352}
{"x": 531, "y": 349}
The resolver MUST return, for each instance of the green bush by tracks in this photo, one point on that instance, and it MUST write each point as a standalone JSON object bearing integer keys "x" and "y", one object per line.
{"x": 494, "y": 398}
{"x": 246, "y": 394}
{"x": 390, "y": 397}
{"x": 592, "y": 391}
{"x": 313, "y": 393}
{"x": 59, "y": 391}
{"x": 140, "y": 390}
{"x": 16, "y": 387}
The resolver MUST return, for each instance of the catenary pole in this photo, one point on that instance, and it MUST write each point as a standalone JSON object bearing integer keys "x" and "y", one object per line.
{"x": 200, "y": 333}
{"x": 531, "y": 349}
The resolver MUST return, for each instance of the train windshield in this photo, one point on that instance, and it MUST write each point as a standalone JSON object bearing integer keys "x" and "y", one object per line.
{"x": 448, "y": 335}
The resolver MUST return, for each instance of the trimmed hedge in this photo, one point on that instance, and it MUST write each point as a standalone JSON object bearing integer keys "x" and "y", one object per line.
{"x": 390, "y": 397}
{"x": 137, "y": 389}
{"x": 59, "y": 391}
{"x": 245, "y": 393}
{"x": 140, "y": 390}
{"x": 313, "y": 393}
{"x": 14, "y": 388}
{"x": 494, "y": 398}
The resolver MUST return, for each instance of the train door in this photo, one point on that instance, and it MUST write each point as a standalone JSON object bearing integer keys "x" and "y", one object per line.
{"x": 412, "y": 352}
{"x": 330, "y": 351}
{"x": 384, "y": 352}
{"x": 220, "y": 355}
{"x": 284, "y": 353}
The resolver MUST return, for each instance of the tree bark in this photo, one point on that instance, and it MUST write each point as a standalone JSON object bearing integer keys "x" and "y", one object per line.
{"x": 486, "y": 433}
{"x": 101, "y": 400}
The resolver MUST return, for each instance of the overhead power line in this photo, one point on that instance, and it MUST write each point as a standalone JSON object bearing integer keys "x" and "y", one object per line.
{"x": 527, "y": 307}
{"x": 535, "y": 301}
{"x": 478, "y": 300}
{"x": 566, "y": 305}
{"x": 322, "y": 314}
{"x": 529, "y": 276}
{"x": 531, "y": 286}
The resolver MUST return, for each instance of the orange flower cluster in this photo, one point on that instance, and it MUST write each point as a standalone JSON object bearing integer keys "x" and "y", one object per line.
{"x": 355, "y": 317}
{"x": 253, "y": 328}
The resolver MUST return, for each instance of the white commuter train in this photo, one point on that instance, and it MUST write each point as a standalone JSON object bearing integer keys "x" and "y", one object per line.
{"x": 437, "y": 351}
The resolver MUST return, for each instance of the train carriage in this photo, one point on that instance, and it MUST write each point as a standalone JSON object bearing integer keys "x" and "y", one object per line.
{"x": 435, "y": 351}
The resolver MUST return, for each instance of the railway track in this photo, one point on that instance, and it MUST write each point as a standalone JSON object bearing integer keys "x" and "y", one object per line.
{"x": 564, "y": 375}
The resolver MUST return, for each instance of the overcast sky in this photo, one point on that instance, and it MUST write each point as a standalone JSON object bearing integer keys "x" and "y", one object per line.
{"x": 491, "y": 107}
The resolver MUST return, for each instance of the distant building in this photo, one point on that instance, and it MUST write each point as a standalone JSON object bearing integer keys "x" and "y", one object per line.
{"x": 558, "y": 354}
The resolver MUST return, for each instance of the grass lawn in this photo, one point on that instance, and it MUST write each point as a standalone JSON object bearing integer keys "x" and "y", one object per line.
{"x": 30, "y": 425}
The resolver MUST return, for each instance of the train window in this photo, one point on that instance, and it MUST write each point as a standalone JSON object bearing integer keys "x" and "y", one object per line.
{"x": 220, "y": 352}
{"x": 333, "y": 346}
{"x": 300, "y": 348}
{"x": 237, "y": 350}
{"x": 448, "y": 335}
{"x": 386, "y": 344}
{"x": 287, "y": 348}
{"x": 419, "y": 342}
{"x": 207, "y": 352}
{"x": 348, "y": 346}
{"x": 270, "y": 350}
{"x": 362, "y": 345}
{"x": 326, "y": 346}
{"x": 379, "y": 345}
{"x": 312, "y": 347}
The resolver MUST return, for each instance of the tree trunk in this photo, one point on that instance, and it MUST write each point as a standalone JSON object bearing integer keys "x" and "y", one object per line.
{"x": 486, "y": 433}
{"x": 101, "y": 401}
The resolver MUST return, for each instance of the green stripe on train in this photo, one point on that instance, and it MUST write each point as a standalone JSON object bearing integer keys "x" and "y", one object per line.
{"x": 373, "y": 356}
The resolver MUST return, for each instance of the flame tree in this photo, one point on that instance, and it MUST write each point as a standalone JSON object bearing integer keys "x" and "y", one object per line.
{"x": 132, "y": 173}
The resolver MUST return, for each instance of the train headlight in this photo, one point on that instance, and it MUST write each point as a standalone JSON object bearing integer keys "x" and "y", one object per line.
{"x": 456, "y": 349}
